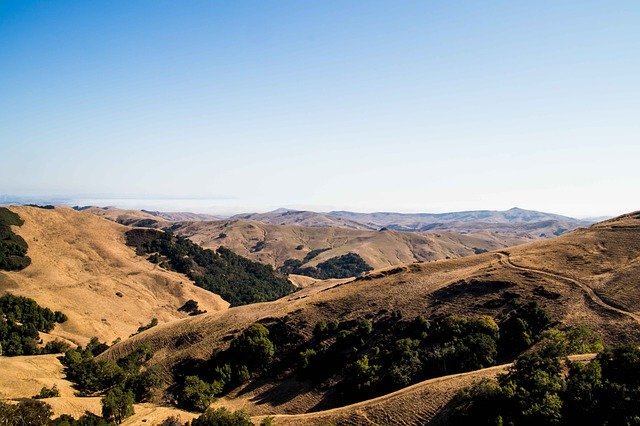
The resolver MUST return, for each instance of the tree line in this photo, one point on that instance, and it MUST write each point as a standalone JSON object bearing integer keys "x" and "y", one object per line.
{"x": 236, "y": 279}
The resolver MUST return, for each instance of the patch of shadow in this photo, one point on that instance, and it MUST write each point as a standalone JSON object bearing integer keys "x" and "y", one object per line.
{"x": 187, "y": 339}
{"x": 547, "y": 294}
{"x": 258, "y": 246}
{"x": 474, "y": 288}
{"x": 381, "y": 274}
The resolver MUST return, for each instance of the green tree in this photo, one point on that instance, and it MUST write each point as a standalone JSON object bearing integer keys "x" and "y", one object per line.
{"x": 222, "y": 417}
{"x": 117, "y": 404}
{"x": 197, "y": 394}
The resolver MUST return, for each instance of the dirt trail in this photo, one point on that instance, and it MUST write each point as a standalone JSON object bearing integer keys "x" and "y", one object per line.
{"x": 425, "y": 399}
{"x": 506, "y": 260}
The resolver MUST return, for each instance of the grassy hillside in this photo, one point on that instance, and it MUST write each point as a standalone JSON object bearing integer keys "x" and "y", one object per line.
{"x": 235, "y": 278}
{"x": 277, "y": 244}
{"x": 566, "y": 277}
{"x": 80, "y": 265}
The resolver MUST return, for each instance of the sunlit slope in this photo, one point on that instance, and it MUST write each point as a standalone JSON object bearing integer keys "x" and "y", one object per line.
{"x": 274, "y": 244}
{"x": 550, "y": 273}
{"x": 82, "y": 267}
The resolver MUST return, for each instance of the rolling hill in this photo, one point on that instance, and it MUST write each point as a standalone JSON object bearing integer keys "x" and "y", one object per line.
{"x": 275, "y": 244}
{"x": 585, "y": 277}
{"x": 81, "y": 266}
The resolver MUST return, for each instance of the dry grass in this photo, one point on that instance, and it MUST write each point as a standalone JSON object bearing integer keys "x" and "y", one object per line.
{"x": 563, "y": 275}
{"x": 378, "y": 248}
{"x": 82, "y": 267}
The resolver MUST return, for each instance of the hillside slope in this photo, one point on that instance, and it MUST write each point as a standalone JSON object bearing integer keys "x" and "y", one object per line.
{"x": 568, "y": 277}
{"x": 275, "y": 244}
{"x": 82, "y": 267}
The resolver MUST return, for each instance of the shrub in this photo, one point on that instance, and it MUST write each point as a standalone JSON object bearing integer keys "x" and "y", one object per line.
{"x": 172, "y": 421}
{"x": 253, "y": 347}
{"x": 222, "y": 417}
{"x": 197, "y": 394}
{"x": 46, "y": 392}
{"x": 27, "y": 412}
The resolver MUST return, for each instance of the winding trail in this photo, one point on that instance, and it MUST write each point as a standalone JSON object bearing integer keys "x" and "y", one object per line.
{"x": 506, "y": 260}
{"x": 393, "y": 408}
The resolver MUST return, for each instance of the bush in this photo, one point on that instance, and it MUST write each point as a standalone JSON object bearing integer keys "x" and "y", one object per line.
{"x": 197, "y": 394}
{"x": 25, "y": 413}
{"x": 46, "y": 392}
{"x": 56, "y": 347}
{"x": 117, "y": 405}
{"x": 222, "y": 417}
{"x": 253, "y": 348}
{"x": 172, "y": 421}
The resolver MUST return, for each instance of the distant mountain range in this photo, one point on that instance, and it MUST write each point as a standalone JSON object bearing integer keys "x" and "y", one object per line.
{"x": 538, "y": 224}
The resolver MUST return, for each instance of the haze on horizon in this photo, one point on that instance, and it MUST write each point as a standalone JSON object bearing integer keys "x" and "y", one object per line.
{"x": 385, "y": 106}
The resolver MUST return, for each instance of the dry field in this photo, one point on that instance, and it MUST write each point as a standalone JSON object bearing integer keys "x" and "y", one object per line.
{"x": 274, "y": 244}
{"x": 82, "y": 267}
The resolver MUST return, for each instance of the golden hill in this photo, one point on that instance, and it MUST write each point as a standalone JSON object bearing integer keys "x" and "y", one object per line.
{"x": 585, "y": 277}
{"x": 274, "y": 244}
{"x": 82, "y": 267}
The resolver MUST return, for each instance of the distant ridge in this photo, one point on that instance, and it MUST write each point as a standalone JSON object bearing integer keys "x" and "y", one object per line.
{"x": 465, "y": 221}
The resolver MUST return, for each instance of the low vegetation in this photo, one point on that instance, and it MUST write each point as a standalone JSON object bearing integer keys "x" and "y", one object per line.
{"x": 236, "y": 279}
{"x": 345, "y": 266}
{"x": 46, "y": 392}
{"x": 21, "y": 320}
{"x": 540, "y": 388}
{"x": 13, "y": 248}
{"x": 361, "y": 359}
{"x": 121, "y": 382}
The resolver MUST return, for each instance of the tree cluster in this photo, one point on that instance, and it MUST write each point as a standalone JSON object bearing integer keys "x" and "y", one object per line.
{"x": 236, "y": 279}
{"x": 122, "y": 382}
{"x": 539, "y": 390}
{"x": 345, "y": 266}
{"x": 248, "y": 355}
{"x": 13, "y": 248}
{"x": 21, "y": 320}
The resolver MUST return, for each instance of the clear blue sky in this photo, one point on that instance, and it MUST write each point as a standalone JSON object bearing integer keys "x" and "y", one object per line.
{"x": 361, "y": 105}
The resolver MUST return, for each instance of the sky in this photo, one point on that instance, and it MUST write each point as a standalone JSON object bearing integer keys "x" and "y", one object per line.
{"x": 410, "y": 106}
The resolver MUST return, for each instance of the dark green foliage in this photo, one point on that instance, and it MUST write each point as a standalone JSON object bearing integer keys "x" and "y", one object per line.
{"x": 117, "y": 404}
{"x": 345, "y": 266}
{"x": 13, "y": 248}
{"x": 222, "y": 417}
{"x": 364, "y": 358}
{"x": 197, "y": 394}
{"x": 56, "y": 347}
{"x": 92, "y": 376}
{"x": 87, "y": 419}
{"x": 46, "y": 392}
{"x": 604, "y": 391}
{"x": 28, "y": 412}
{"x": 236, "y": 279}
{"x": 522, "y": 327}
{"x": 21, "y": 319}
{"x": 253, "y": 348}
